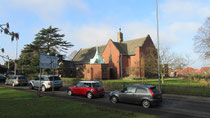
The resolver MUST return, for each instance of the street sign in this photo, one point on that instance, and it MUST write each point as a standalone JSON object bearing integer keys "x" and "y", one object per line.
{"x": 47, "y": 61}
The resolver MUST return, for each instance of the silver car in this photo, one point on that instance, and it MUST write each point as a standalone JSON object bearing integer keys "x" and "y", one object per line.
{"x": 15, "y": 80}
{"x": 45, "y": 82}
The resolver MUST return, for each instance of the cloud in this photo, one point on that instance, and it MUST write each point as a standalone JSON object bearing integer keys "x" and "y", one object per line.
{"x": 177, "y": 31}
{"x": 92, "y": 35}
{"x": 49, "y": 9}
{"x": 139, "y": 29}
{"x": 184, "y": 27}
{"x": 185, "y": 9}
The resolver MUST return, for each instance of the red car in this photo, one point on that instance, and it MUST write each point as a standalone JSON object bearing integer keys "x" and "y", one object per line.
{"x": 88, "y": 88}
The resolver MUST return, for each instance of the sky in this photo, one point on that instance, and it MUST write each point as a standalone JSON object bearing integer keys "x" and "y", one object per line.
{"x": 87, "y": 23}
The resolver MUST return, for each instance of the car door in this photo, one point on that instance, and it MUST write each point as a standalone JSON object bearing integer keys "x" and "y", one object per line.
{"x": 37, "y": 83}
{"x": 126, "y": 95}
{"x": 78, "y": 88}
{"x": 140, "y": 94}
{"x": 11, "y": 80}
{"x": 7, "y": 80}
{"x": 86, "y": 87}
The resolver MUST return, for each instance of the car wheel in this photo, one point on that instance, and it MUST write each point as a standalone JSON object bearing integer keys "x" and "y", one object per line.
{"x": 114, "y": 99}
{"x": 69, "y": 92}
{"x": 146, "y": 104}
{"x": 13, "y": 84}
{"x": 30, "y": 86}
{"x": 89, "y": 95}
{"x": 43, "y": 89}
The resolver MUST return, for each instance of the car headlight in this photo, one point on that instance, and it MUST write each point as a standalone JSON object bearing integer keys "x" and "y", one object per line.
{"x": 111, "y": 93}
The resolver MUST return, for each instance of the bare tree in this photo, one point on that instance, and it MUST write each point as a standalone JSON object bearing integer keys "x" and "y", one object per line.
{"x": 166, "y": 56}
{"x": 5, "y": 29}
{"x": 166, "y": 60}
{"x": 172, "y": 60}
{"x": 181, "y": 62}
{"x": 202, "y": 40}
{"x": 150, "y": 62}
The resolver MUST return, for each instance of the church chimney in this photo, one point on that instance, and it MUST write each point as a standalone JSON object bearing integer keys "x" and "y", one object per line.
{"x": 120, "y": 36}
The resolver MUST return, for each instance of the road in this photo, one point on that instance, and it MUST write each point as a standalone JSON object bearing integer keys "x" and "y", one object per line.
{"x": 173, "y": 106}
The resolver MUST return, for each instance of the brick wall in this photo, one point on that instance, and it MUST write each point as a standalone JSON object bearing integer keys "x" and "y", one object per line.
{"x": 111, "y": 56}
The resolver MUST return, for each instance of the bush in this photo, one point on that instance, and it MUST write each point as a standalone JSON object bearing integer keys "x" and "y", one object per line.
{"x": 70, "y": 81}
{"x": 198, "y": 77}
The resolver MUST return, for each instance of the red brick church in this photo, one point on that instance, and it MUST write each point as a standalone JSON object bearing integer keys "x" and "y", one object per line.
{"x": 136, "y": 58}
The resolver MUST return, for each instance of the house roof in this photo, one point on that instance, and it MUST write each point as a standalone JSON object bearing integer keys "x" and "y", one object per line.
{"x": 132, "y": 44}
{"x": 84, "y": 55}
{"x": 125, "y": 48}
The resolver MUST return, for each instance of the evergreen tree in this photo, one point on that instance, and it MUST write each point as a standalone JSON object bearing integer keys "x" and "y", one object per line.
{"x": 46, "y": 41}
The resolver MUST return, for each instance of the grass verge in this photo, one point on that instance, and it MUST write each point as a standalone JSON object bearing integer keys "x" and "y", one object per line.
{"x": 18, "y": 104}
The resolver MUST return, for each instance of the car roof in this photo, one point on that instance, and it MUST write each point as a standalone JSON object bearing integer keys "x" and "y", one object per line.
{"x": 145, "y": 86}
{"x": 17, "y": 76}
{"x": 89, "y": 81}
{"x": 47, "y": 75}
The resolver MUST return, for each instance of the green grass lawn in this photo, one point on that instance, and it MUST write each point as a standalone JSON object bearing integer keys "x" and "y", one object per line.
{"x": 18, "y": 104}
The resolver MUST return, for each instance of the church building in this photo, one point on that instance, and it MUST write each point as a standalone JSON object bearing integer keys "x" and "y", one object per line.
{"x": 136, "y": 58}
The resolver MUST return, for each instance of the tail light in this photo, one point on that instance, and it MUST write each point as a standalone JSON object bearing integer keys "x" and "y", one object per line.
{"x": 152, "y": 93}
{"x": 49, "y": 83}
{"x": 93, "y": 90}
{"x": 17, "y": 80}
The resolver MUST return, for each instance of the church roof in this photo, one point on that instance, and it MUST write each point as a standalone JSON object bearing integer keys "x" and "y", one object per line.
{"x": 84, "y": 55}
{"x": 125, "y": 48}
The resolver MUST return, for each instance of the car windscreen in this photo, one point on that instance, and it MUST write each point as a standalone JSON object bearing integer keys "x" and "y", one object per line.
{"x": 97, "y": 84}
{"x": 155, "y": 90}
{"x": 55, "y": 78}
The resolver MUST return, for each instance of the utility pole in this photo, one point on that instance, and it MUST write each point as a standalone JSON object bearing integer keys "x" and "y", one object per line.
{"x": 16, "y": 57}
{"x": 158, "y": 44}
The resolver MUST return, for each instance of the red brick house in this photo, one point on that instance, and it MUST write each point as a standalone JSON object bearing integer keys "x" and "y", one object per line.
{"x": 205, "y": 70}
{"x": 187, "y": 71}
{"x": 137, "y": 57}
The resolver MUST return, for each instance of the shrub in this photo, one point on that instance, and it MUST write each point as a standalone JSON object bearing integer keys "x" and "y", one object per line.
{"x": 204, "y": 82}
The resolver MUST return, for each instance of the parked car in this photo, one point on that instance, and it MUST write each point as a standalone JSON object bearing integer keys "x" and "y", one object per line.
{"x": 2, "y": 78}
{"x": 45, "y": 82}
{"x": 88, "y": 88}
{"x": 15, "y": 80}
{"x": 146, "y": 95}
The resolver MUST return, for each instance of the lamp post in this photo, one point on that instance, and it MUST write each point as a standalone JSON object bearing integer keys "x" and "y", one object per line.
{"x": 16, "y": 57}
{"x": 158, "y": 44}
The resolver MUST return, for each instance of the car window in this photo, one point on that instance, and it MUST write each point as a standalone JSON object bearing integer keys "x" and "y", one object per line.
{"x": 80, "y": 84}
{"x": 154, "y": 90}
{"x": 22, "y": 78}
{"x": 36, "y": 78}
{"x": 129, "y": 89}
{"x": 97, "y": 84}
{"x": 141, "y": 90}
{"x": 12, "y": 77}
{"x": 87, "y": 84}
{"x": 55, "y": 78}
